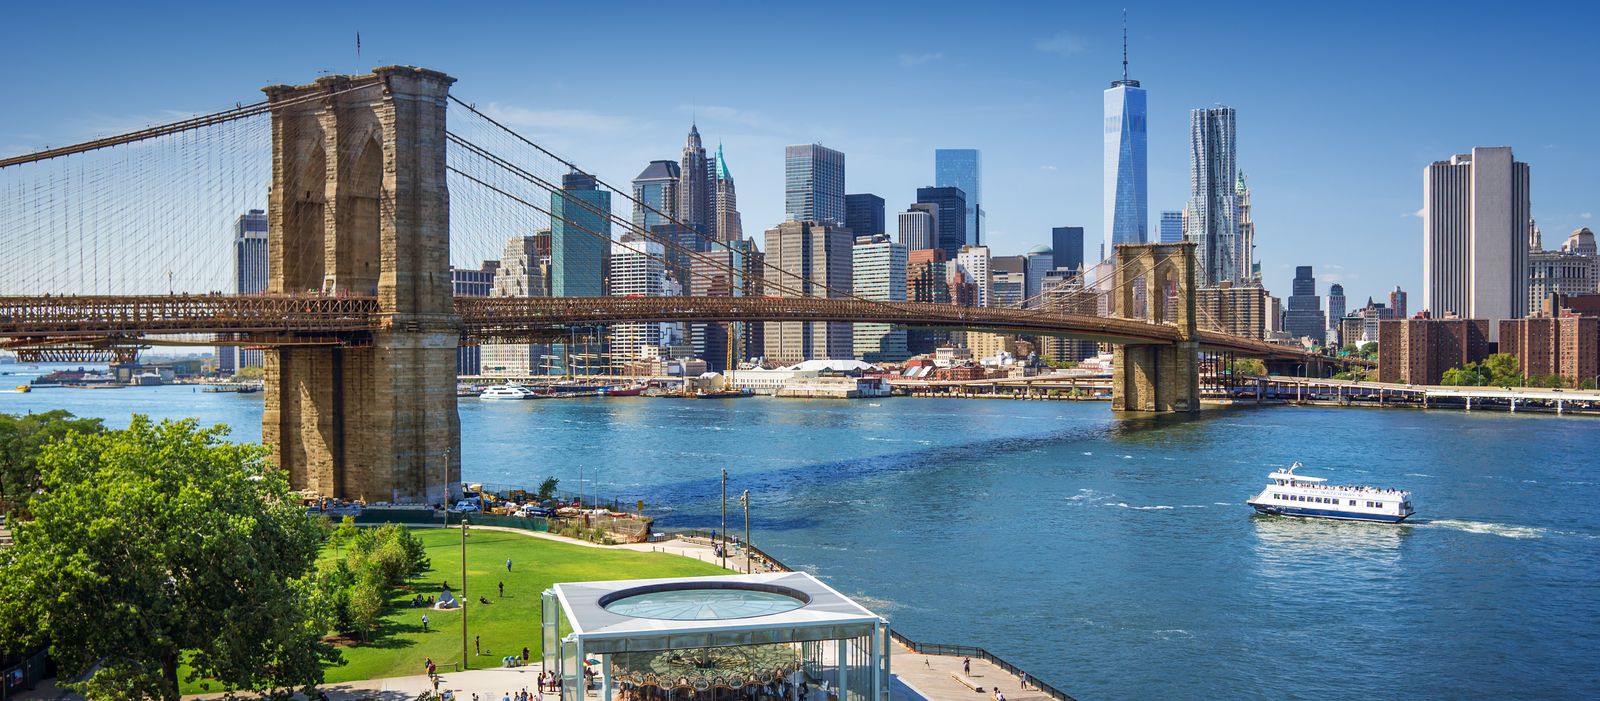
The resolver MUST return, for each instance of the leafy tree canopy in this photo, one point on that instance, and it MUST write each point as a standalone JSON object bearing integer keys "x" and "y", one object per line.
{"x": 159, "y": 544}
{"x": 22, "y": 438}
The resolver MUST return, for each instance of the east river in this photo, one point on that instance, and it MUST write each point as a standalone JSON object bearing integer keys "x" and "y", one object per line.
{"x": 1114, "y": 558}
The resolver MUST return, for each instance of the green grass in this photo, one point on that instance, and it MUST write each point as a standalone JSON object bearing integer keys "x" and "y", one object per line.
{"x": 506, "y": 624}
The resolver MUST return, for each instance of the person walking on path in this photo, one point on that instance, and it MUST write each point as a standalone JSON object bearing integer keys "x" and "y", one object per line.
{"x": 425, "y": 624}
{"x": 966, "y": 666}
{"x": 1024, "y": 680}
{"x": 428, "y": 665}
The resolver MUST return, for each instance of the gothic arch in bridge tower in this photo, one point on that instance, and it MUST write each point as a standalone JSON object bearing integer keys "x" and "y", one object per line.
{"x": 1155, "y": 283}
{"x": 359, "y": 207}
{"x": 354, "y": 250}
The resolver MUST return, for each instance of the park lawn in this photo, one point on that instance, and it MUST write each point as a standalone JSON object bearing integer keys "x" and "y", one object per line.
{"x": 507, "y": 623}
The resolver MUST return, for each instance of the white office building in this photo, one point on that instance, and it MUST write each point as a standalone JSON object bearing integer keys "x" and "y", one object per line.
{"x": 517, "y": 276}
{"x": 918, "y": 228}
{"x": 972, "y": 263}
{"x": 1476, "y": 219}
{"x": 638, "y": 270}
{"x": 878, "y": 272}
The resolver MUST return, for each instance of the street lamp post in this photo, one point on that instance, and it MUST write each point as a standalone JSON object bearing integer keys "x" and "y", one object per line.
{"x": 744, "y": 500}
{"x": 724, "y": 544}
{"x": 464, "y": 659}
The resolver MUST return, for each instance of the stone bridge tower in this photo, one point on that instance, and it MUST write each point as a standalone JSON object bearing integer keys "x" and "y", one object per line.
{"x": 359, "y": 207}
{"x": 1156, "y": 282}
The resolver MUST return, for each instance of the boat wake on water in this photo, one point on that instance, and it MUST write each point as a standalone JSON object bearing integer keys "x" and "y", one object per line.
{"x": 1499, "y": 529}
{"x": 1124, "y": 505}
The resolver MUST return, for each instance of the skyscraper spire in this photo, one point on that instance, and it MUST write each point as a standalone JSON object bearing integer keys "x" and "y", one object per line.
{"x": 1124, "y": 44}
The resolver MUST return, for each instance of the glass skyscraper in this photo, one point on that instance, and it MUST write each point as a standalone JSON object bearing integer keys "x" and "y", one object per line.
{"x": 580, "y": 231}
{"x": 655, "y": 195}
{"x": 1126, "y": 175}
{"x": 962, "y": 167}
{"x": 1171, "y": 227}
{"x": 1067, "y": 243}
{"x": 813, "y": 184}
{"x": 863, "y": 214}
{"x": 952, "y": 203}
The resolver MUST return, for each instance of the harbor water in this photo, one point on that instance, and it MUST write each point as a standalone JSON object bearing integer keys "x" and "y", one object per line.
{"x": 1112, "y": 557}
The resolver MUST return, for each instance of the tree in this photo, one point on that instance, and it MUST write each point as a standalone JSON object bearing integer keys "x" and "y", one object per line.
{"x": 1349, "y": 349}
{"x": 1466, "y": 376}
{"x": 1502, "y": 370}
{"x": 547, "y": 489}
{"x": 1247, "y": 366}
{"x": 249, "y": 374}
{"x": 21, "y": 440}
{"x": 159, "y": 545}
{"x": 1369, "y": 349}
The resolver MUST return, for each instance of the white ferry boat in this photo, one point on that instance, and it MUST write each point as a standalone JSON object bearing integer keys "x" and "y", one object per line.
{"x": 1290, "y": 494}
{"x": 509, "y": 390}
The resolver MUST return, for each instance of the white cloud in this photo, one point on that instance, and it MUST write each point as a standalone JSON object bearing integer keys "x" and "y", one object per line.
{"x": 1586, "y": 215}
{"x": 909, "y": 60}
{"x": 558, "y": 120}
{"x": 1417, "y": 214}
{"x": 1049, "y": 168}
{"x": 1062, "y": 44}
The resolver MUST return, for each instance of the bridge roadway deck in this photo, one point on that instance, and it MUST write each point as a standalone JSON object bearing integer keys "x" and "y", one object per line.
{"x": 272, "y": 319}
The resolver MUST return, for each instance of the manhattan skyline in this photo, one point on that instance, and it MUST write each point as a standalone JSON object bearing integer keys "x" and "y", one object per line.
{"x": 1338, "y": 115}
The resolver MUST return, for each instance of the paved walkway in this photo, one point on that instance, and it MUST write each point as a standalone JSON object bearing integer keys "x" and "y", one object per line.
{"x": 488, "y": 684}
{"x": 933, "y": 677}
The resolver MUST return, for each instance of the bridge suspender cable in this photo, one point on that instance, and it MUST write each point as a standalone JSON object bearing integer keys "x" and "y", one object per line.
{"x": 189, "y": 124}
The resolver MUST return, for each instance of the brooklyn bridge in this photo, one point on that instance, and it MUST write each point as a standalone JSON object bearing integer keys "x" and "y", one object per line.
{"x": 372, "y": 185}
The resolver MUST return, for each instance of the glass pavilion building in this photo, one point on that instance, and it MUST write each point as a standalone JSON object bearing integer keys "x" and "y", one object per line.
{"x": 714, "y": 639}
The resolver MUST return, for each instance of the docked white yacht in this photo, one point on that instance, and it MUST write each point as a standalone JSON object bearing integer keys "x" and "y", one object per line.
{"x": 1290, "y": 494}
{"x": 509, "y": 390}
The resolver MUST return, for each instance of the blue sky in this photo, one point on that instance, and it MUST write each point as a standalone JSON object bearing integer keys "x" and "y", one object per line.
{"x": 1340, "y": 106}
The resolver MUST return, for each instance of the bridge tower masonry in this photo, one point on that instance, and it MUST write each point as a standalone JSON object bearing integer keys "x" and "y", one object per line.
{"x": 1156, "y": 282}
{"x": 359, "y": 206}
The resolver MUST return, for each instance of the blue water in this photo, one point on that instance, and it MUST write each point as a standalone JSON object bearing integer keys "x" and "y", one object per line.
{"x": 1111, "y": 557}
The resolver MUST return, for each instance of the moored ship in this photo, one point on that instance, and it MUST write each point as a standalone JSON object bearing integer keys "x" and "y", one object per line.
{"x": 1290, "y": 494}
